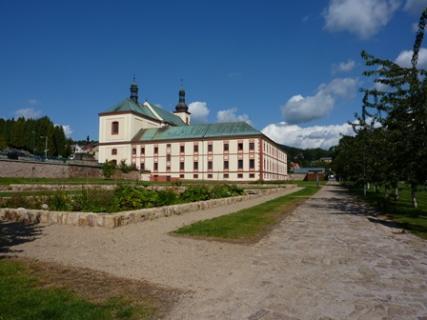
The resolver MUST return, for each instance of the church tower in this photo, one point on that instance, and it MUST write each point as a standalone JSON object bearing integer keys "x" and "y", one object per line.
{"x": 181, "y": 109}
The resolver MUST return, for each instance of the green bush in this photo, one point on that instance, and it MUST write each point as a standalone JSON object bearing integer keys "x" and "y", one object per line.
{"x": 195, "y": 193}
{"x": 108, "y": 168}
{"x": 60, "y": 201}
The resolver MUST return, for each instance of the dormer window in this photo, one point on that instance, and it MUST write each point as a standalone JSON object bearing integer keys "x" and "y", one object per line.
{"x": 115, "y": 127}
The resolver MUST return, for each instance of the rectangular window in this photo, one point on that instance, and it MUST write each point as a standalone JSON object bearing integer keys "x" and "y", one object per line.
{"x": 210, "y": 148}
{"x": 142, "y": 168}
{"x": 142, "y": 150}
{"x": 252, "y": 146}
{"x": 226, "y": 147}
{"x": 181, "y": 165}
{"x": 196, "y": 148}
{"x": 240, "y": 175}
{"x": 168, "y": 157}
{"x": 209, "y": 176}
{"x": 225, "y": 175}
{"x": 210, "y": 165}
{"x": 240, "y": 146}
{"x": 114, "y": 151}
{"x": 226, "y": 164}
{"x": 168, "y": 168}
{"x": 115, "y": 127}
{"x": 240, "y": 164}
{"x": 196, "y": 165}
{"x": 252, "y": 175}
{"x": 251, "y": 163}
{"x": 168, "y": 146}
{"x": 133, "y": 151}
{"x": 156, "y": 150}
{"x": 181, "y": 176}
{"x": 156, "y": 166}
{"x": 195, "y": 176}
{"x": 182, "y": 149}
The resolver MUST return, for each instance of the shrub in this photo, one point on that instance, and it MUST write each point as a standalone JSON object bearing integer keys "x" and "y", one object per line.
{"x": 60, "y": 201}
{"x": 126, "y": 168}
{"x": 108, "y": 168}
{"x": 195, "y": 193}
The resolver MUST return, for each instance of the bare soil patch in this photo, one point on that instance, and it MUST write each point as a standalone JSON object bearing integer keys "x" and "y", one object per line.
{"x": 98, "y": 286}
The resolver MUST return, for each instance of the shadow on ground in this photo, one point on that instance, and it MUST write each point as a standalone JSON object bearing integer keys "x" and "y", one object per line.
{"x": 343, "y": 202}
{"x": 14, "y": 233}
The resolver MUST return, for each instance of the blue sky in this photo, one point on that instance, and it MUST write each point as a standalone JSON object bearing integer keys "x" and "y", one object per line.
{"x": 291, "y": 68}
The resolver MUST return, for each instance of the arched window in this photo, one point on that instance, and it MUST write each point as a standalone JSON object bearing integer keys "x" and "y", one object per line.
{"x": 115, "y": 127}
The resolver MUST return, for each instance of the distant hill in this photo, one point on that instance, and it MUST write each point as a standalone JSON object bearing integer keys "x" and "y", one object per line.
{"x": 305, "y": 157}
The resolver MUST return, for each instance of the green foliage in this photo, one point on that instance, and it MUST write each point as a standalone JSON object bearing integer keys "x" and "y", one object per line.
{"x": 60, "y": 201}
{"x": 306, "y": 157}
{"x": 26, "y": 134}
{"x": 108, "y": 168}
{"x": 397, "y": 149}
{"x": 22, "y": 298}
{"x": 124, "y": 197}
{"x": 195, "y": 193}
{"x": 126, "y": 168}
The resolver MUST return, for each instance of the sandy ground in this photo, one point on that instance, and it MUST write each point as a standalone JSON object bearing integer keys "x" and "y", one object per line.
{"x": 326, "y": 260}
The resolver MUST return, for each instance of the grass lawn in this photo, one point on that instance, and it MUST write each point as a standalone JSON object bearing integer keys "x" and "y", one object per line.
{"x": 23, "y": 297}
{"x": 401, "y": 211}
{"x": 249, "y": 225}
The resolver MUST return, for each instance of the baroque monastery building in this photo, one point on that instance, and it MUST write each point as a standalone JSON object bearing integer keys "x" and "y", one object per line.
{"x": 166, "y": 146}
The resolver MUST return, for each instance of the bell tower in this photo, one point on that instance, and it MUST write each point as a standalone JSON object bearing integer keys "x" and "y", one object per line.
{"x": 181, "y": 109}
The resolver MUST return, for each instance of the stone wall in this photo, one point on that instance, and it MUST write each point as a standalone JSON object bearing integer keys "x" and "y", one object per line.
{"x": 114, "y": 220}
{"x": 34, "y": 169}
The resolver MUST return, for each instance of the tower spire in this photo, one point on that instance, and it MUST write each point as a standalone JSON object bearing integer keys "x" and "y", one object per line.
{"x": 134, "y": 90}
{"x": 181, "y": 106}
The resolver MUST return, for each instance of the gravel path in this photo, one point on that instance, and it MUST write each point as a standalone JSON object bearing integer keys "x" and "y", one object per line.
{"x": 326, "y": 260}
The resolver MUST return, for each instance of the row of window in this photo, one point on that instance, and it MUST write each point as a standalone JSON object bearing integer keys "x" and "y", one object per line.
{"x": 224, "y": 176}
{"x": 210, "y": 165}
{"x": 196, "y": 148}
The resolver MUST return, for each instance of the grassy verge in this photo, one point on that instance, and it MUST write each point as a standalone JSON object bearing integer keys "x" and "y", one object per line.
{"x": 401, "y": 211}
{"x": 248, "y": 225}
{"x": 23, "y": 296}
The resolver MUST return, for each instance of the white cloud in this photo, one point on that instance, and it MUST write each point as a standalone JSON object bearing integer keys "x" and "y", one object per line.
{"x": 199, "y": 112}
{"x": 404, "y": 58}
{"x": 67, "y": 130}
{"x": 415, "y": 6}
{"x": 28, "y": 113}
{"x": 302, "y": 109}
{"x": 310, "y": 137}
{"x": 361, "y": 17}
{"x": 230, "y": 115}
{"x": 344, "y": 66}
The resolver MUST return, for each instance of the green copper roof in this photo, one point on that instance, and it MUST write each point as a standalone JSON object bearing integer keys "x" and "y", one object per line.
{"x": 168, "y": 116}
{"x": 197, "y": 131}
{"x": 128, "y": 105}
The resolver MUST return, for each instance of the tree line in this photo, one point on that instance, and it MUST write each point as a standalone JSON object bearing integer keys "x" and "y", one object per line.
{"x": 390, "y": 142}
{"x": 30, "y": 135}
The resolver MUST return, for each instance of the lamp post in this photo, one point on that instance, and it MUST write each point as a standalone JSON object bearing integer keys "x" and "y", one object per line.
{"x": 45, "y": 146}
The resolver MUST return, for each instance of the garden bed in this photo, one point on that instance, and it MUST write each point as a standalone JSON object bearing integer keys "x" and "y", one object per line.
{"x": 113, "y": 220}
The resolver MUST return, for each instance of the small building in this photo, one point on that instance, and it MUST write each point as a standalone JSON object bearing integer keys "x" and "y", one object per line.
{"x": 166, "y": 146}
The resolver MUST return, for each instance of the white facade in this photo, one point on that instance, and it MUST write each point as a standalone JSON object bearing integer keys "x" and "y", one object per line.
{"x": 246, "y": 157}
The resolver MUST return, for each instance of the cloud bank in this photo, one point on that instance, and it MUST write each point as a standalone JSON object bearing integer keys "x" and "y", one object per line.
{"x": 300, "y": 109}
{"x": 361, "y": 17}
{"x": 230, "y": 115}
{"x": 310, "y": 137}
{"x": 199, "y": 112}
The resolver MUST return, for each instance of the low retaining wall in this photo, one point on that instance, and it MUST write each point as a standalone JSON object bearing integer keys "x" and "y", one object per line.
{"x": 114, "y": 220}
